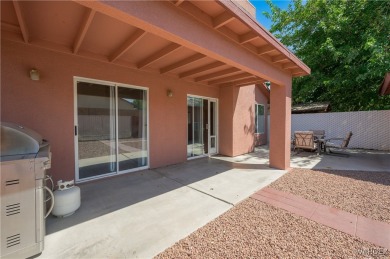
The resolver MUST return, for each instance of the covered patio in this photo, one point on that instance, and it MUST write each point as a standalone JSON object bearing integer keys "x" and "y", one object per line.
{"x": 163, "y": 55}
{"x": 171, "y": 49}
{"x": 141, "y": 214}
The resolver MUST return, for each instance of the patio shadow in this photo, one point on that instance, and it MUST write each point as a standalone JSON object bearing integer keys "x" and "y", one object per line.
{"x": 358, "y": 160}
{"x": 224, "y": 180}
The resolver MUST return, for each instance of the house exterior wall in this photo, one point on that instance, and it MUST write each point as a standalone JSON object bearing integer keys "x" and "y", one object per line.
{"x": 47, "y": 105}
{"x": 244, "y": 136}
{"x": 226, "y": 107}
{"x": 262, "y": 139}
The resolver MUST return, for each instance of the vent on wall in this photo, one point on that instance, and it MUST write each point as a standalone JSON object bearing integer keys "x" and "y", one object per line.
{"x": 13, "y": 240}
{"x": 12, "y": 209}
{"x": 11, "y": 182}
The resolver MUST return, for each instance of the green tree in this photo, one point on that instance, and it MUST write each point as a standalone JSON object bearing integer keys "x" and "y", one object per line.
{"x": 346, "y": 43}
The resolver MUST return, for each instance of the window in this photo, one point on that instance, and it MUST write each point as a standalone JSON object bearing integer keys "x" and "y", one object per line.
{"x": 259, "y": 118}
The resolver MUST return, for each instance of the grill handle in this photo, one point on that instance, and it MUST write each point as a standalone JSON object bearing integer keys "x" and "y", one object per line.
{"x": 52, "y": 201}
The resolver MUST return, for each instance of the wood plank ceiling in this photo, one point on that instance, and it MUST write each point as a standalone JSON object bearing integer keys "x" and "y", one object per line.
{"x": 69, "y": 27}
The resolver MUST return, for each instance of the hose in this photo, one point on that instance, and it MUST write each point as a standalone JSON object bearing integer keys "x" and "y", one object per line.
{"x": 52, "y": 201}
{"x": 48, "y": 177}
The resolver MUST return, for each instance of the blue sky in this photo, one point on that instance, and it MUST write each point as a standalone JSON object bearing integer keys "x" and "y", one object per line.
{"x": 262, "y": 6}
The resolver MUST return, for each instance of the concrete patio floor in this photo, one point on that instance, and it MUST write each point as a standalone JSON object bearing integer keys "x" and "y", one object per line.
{"x": 358, "y": 160}
{"x": 138, "y": 215}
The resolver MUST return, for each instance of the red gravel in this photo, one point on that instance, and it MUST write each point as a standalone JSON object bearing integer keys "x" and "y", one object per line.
{"x": 254, "y": 229}
{"x": 362, "y": 193}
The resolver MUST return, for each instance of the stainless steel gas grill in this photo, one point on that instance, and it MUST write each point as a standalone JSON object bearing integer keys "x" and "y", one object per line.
{"x": 24, "y": 158}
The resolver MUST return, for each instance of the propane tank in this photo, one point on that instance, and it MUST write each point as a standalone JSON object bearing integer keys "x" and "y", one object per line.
{"x": 66, "y": 199}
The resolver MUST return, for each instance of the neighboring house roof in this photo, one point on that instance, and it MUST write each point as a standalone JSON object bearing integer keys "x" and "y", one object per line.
{"x": 384, "y": 89}
{"x": 311, "y": 107}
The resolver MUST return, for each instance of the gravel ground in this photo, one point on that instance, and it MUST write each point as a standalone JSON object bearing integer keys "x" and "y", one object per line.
{"x": 253, "y": 229}
{"x": 98, "y": 148}
{"x": 93, "y": 148}
{"x": 361, "y": 193}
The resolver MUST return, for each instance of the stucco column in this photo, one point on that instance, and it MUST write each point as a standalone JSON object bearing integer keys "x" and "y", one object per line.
{"x": 226, "y": 112}
{"x": 280, "y": 126}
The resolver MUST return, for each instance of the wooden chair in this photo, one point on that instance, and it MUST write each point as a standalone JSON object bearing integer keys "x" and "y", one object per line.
{"x": 304, "y": 140}
{"x": 337, "y": 143}
{"x": 319, "y": 136}
{"x": 319, "y": 133}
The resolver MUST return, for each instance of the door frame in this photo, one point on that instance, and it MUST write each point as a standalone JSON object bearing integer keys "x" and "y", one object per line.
{"x": 208, "y": 134}
{"x": 77, "y": 79}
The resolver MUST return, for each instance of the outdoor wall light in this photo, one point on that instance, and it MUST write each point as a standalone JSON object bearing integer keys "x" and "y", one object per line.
{"x": 34, "y": 74}
{"x": 169, "y": 93}
{"x": 267, "y": 85}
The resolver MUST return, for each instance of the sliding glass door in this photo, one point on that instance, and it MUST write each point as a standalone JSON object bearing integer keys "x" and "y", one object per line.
{"x": 110, "y": 129}
{"x": 201, "y": 126}
{"x": 132, "y": 124}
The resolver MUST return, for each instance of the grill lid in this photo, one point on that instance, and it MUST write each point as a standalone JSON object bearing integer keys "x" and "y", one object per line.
{"x": 18, "y": 140}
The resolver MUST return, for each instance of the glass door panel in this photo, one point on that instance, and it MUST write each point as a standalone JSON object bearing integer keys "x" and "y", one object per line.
{"x": 96, "y": 129}
{"x": 201, "y": 126}
{"x": 190, "y": 125}
{"x": 206, "y": 126}
{"x": 132, "y": 134}
{"x": 213, "y": 128}
{"x": 195, "y": 113}
{"x": 198, "y": 127}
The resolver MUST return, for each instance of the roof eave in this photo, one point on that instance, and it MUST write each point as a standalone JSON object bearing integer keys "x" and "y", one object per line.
{"x": 257, "y": 28}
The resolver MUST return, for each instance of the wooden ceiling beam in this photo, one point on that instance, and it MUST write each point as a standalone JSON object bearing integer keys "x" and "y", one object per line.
{"x": 229, "y": 33}
{"x": 249, "y": 81}
{"x": 247, "y": 37}
{"x": 296, "y": 71}
{"x": 88, "y": 17}
{"x": 265, "y": 50}
{"x": 158, "y": 55}
{"x": 243, "y": 82}
{"x": 196, "y": 13}
{"x": 182, "y": 63}
{"x": 179, "y": 2}
{"x": 222, "y": 20}
{"x": 201, "y": 69}
{"x": 130, "y": 42}
{"x": 289, "y": 66}
{"x": 230, "y": 78}
{"x": 21, "y": 21}
{"x": 224, "y": 72}
{"x": 279, "y": 58}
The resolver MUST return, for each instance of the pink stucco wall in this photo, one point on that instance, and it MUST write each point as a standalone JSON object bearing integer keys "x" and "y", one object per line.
{"x": 226, "y": 108}
{"x": 47, "y": 106}
{"x": 261, "y": 139}
{"x": 280, "y": 125}
{"x": 244, "y": 137}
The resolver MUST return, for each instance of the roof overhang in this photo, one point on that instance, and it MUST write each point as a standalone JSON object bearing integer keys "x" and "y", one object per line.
{"x": 316, "y": 107}
{"x": 214, "y": 43}
{"x": 384, "y": 88}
